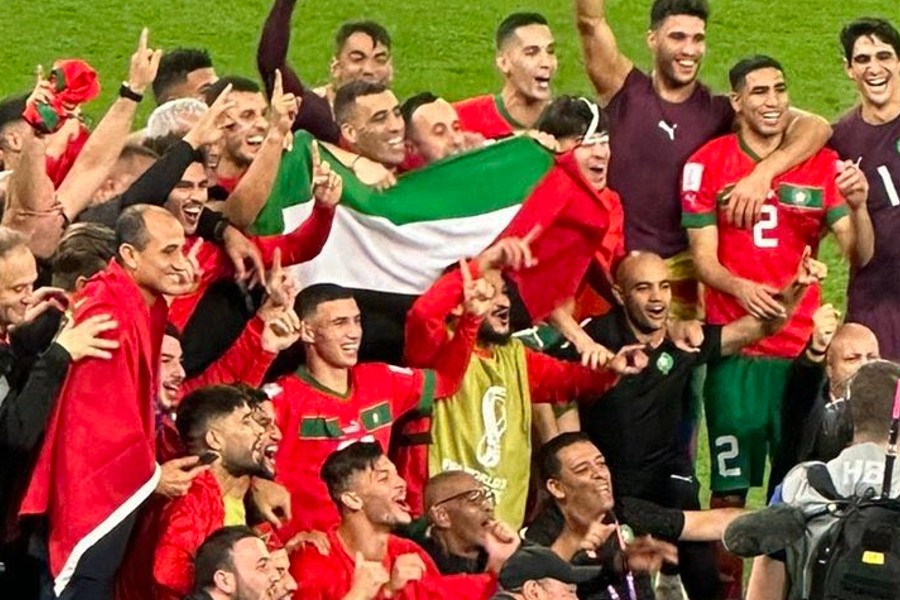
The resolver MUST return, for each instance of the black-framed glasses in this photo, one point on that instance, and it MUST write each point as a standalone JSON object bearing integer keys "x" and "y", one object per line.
{"x": 474, "y": 496}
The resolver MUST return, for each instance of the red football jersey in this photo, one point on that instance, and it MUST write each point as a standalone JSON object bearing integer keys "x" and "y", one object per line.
{"x": 486, "y": 115}
{"x": 316, "y": 421}
{"x": 801, "y": 203}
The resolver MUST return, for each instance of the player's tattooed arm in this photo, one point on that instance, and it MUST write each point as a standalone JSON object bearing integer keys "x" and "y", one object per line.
{"x": 606, "y": 66}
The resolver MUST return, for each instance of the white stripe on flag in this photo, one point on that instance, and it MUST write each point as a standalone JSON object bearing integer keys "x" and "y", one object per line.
{"x": 368, "y": 252}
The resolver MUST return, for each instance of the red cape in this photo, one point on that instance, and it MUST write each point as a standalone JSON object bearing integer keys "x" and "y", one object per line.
{"x": 578, "y": 224}
{"x": 98, "y": 460}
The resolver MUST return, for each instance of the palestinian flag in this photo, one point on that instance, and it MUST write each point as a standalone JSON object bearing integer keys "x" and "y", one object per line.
{"x": 390, "y": 246}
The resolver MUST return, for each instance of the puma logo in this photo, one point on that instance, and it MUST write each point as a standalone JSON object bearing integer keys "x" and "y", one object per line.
{"x": 669, "y": 129}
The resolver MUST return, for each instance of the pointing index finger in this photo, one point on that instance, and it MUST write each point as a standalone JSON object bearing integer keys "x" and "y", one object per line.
{"x": 142, "y": 41}
{"x": 466, "y": 273}
{"x": 316, "y": 157}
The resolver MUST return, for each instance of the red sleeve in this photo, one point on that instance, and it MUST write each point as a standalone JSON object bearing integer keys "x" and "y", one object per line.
{"x": 182, "y": 531}
{"x": 303, "y": 243}
{"x": 426, "y": 322}
{"x": 244, "y": 361}
{"x": 698, "y": 192}
{"x": 556, "y": 381}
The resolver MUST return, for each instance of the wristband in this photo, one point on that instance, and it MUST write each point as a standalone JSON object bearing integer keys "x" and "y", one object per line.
{"x": 125, "y": 91}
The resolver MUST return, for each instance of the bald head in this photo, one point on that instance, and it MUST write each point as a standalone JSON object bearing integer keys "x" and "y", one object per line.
{"x": 446, "y": 485}
{"x": 852, "y": 346}
{"x": 642, "y": 288}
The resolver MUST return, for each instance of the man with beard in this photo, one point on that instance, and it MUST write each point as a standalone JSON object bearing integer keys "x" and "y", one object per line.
{"x": 585, "y": 525}
{"x": 433, "y": 131}
{"x": 652, "y": 466}
{"x": 362, "y": 51}
{"x": 485, "y": 427}
{"x": 743, "y": 269}
{"x": 234, "y": 564}
{"x": 371, "y": 498}
{"x": 659, "y": 119}
{"x": 218, "y": 425}
{"x": 870, "y": 135}
{"x": 526, "y": 56}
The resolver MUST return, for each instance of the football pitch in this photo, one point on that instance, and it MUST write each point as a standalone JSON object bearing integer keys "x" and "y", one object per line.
{"x": 445, "y": 47}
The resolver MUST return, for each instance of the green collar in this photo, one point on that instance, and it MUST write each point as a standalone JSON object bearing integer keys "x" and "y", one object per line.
{"x": 747, "y": 149}
{"x": 303, "y": 373}
{"x": 501, "y": 108}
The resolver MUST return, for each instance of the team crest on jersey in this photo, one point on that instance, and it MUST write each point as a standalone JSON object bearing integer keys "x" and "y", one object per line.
{"x": 664, "y": 363}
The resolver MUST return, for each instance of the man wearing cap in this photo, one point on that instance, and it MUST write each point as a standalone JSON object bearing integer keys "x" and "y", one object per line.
{"x": 537, "y": 573}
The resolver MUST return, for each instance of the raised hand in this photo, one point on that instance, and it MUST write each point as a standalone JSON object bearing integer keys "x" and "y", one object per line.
{"x": 242, "y": 251}
{"x": 594, "y": 355}
{"x": 510, "y": 253}
{"x": 686, "y": 335}
{"x": 327, "y": 186}
{"x": 478, "y": 294}
{"x": 43, "y": 91}
{"x": 144, "y": 64}
{"x": 407, "y": 567}
{"x": 369, "y": 577}
{"x": 648, "y": 554}
{"x": 316, "y": 539}
{"x": 629, "y": 360}
{"x": 177, "y": 476}
{"x": 282, "y": 325}
{"x": 283, "y": 107}
{"x": 500, "y": 542}
{"x": 852, "y": 183}
{"x": 212, "y": 124}
{"x": 826, "y": 320}
{"x": 597, "y": 534}
{"x": 84, "y": 341}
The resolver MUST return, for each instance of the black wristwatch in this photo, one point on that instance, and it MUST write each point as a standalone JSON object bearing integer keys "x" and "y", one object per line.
{"x": 125, "y": 91}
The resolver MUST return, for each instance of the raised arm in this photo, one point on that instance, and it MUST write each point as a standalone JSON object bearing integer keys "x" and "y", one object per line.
{"x": 606, "y": 66}
{"x": 248, "y": 198}
{"x": 854, "y": 232}
{"x": 106, "y": 142}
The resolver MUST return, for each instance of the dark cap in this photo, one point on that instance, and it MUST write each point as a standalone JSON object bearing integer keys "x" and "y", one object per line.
{"x": 537, "y": 562}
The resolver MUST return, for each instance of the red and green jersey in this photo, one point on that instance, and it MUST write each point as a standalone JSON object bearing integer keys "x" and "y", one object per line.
{"x": 486, "y": 115}
{"x": 801, "y": 203}
{"x": 316, "y": 421}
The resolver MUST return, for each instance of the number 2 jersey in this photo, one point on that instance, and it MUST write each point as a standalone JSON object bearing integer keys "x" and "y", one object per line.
{"x": 801, "y": 204}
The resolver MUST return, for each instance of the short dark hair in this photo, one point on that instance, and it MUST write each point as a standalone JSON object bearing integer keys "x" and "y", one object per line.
{"x": 412, "y": 104}
{"x": 311, "y": 297}
{"x": 508, "y": 26}
{"x": 238, "y": 84}
{"x": 738, "y": 73}
{"x": 663, "y": 9}
{"x": 549, "y": 466}
{"x": 201, "y": 406}
{"x": 11, "y": 109}
{"x": 174, "y": 67}
{"x": 172, "y": 331}
{"x": 341, "y": 465}
{"x": 568, "y": 116}
{"x": 372, "y": 29}
{"x": 346, "y": 96}
{"x": 131, "y": 228}
{"x": 84, "y": 249}
{"x": 872, "y": 398}
{"x": 869, "y": 27}
{"x": 254, "y": 396}
{"x": 216, "y": 553}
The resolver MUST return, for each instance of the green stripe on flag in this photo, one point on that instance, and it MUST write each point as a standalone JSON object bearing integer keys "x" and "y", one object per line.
{"x": 470, "y": 184}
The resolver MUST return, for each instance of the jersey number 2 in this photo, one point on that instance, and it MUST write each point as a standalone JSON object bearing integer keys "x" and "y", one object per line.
{"x": 768, "y": 221}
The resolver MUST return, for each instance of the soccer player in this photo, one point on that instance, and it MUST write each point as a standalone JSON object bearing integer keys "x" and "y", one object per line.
{"x": 433, "y": 131}
{"x": 653, "y": 466}
{"x": 870, "y": 135}
{"x": 658, "y": 120}
{"x": 183, "y": 73}
{"x": 371, "y": 497}
{"x": 485, "y": 428}
{"x": 526, "y": 56}
{"x": 362, "y": 50}
{"x": 332, "y": 400}
{"x": 218, "y": 420}
{"x": 97, "y": 463}
{"x": 746, "y": 269}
